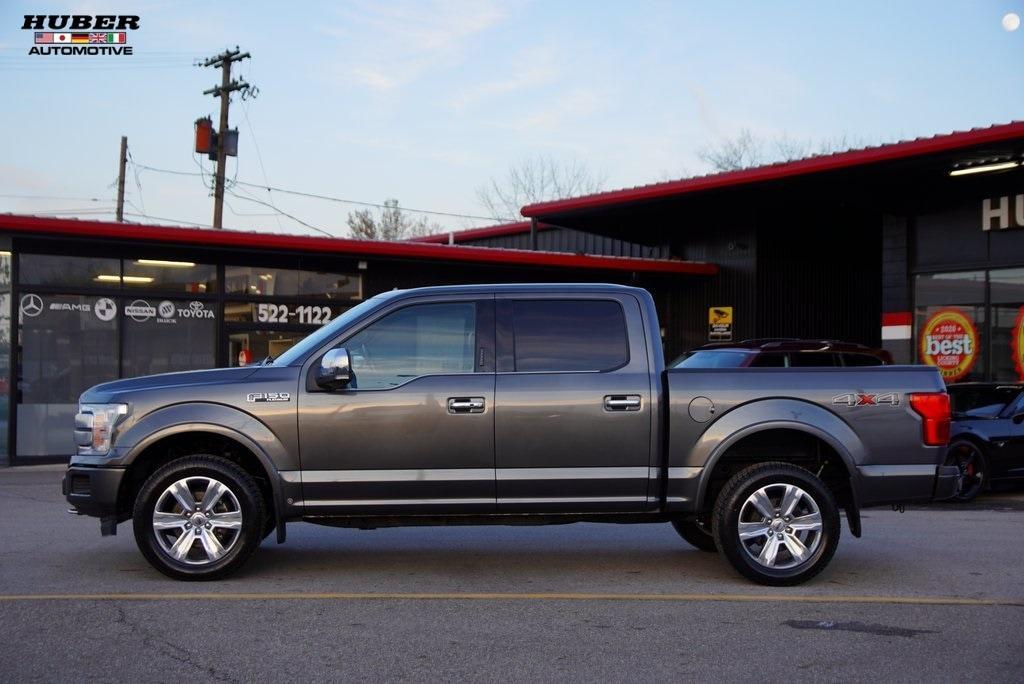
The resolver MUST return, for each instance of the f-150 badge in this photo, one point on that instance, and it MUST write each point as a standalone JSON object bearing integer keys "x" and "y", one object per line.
{"x": 254, "y": 397}
{"x": 856, "y": 399}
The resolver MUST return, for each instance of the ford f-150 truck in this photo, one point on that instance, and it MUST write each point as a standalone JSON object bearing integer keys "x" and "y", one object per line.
{"x": 505, "y": 404}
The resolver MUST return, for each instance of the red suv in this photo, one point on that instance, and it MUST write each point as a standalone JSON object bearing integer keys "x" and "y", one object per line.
{"x": 782, "y": 353}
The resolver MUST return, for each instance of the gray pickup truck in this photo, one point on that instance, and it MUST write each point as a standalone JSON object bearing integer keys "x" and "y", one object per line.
{"x": 505, "y": 404}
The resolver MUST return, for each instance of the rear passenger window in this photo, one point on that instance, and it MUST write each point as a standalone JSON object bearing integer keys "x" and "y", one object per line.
{"x": 861, "y": 360}
{"x": 583, "y": 335}
{"x": 769, "y": 360}
{"x": 812, "y": 359}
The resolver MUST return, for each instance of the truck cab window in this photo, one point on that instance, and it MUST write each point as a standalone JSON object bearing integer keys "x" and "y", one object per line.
{"x": 585, "y": 335}
{"x": 425, "y": 339}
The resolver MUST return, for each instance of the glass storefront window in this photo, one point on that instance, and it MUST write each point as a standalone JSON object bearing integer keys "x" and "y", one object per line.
{"x": 255, "y": 281}
{"x": 169, "y": 275}
{"x": 252, "y": 346}
{"x": 68, "y": 344}
{"x": 1006, "y": 294}
{"x": 331, "y": 285}
{"x": 950, "y": 324}
{"x": 5, "y": 347}
{"x": 68, "y": 271}
{"x": 168, "y": 335}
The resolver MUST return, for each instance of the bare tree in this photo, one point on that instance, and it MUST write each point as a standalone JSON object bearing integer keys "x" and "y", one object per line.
{"x": 388, "y": 223}
{"x": 536, "y": 179}
{"x": 747, "y": 150}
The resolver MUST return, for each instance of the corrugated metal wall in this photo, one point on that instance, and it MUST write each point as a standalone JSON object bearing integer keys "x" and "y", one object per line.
{"x": 821, "y": 279}
{"x": 574, "y": 241}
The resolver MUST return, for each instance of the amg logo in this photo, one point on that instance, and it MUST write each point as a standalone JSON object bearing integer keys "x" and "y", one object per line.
{"x": 80, "y": 22}
{"x": 65, "y": 306}
{"x": 857, "y": 399}
{"x": 255, "y": 397}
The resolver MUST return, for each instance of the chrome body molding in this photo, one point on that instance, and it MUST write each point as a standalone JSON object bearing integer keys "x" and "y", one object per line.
{"x": 471, "y": 501}
{"x": 477, "y": 474}
{"x": 921, "y": 470}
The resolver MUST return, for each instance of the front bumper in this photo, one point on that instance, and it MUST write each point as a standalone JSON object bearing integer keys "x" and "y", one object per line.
{"x": 93, "y": 491}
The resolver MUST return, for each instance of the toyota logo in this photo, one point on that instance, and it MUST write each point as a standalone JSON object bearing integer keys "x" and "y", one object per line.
{"x": 31, "y": 305}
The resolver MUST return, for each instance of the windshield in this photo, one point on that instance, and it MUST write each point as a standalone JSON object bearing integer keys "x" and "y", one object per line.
{"x": 707, "y": 358}
{"x": 982, "y": 402}
{"x": 324, "y": 334}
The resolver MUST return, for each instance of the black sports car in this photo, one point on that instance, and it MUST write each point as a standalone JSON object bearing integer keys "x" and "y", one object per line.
{"x": 987, "y": 434}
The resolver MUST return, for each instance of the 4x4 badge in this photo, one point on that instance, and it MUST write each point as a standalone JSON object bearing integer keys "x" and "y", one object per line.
{"x": 858, "y": 399}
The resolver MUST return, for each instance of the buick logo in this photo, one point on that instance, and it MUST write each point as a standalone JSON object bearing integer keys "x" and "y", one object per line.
{"x": 31, "y": 305}
{"x": 166, "y": 309}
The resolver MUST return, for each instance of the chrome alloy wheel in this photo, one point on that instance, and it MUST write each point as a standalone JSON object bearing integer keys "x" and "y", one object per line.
{"x": 197, "y": 509}
{"x": 780, "y": 526}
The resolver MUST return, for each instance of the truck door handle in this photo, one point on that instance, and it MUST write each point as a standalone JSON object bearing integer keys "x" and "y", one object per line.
{"x": 622, "y": 402}
{"x": 466, "y": 405}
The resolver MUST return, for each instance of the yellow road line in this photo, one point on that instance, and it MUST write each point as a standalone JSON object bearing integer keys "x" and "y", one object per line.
{"x": 500, "y": 596}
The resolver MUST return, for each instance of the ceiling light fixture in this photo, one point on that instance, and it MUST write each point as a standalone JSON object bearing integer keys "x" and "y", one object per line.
{"x": 161, "y": 262}
{"x": 1002, "y": 166}
{"x": 104, "y": 278}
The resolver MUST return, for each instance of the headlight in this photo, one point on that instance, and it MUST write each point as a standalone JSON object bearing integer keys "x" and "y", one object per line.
{"x": 94, "y": 426}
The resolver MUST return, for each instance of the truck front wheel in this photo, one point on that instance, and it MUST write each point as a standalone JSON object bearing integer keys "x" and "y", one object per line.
{"x": 776, "y": 523}
{"x": 199, "y": 518}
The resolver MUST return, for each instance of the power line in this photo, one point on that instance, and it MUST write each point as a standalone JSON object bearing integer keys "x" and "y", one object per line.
{"x": 259, "y": 158}
{"x": 283, "y": 213}
{"x": 57, "y": 197}
{"x": 337, "y": 199}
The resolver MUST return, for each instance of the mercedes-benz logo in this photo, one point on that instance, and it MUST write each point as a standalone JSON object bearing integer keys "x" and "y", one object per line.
{"x": 31, "y": 305}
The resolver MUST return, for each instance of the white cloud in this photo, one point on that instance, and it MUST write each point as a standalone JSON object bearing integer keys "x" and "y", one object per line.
{"x": 385, "y": 47}
{"x": 529, "y": 69}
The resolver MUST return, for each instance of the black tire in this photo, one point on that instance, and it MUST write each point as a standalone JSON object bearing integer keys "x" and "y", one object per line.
{"x": 970, "y": 458}
{"x": 738, "y": 498}
{"x": 696, "y": 534}
{"x": 245, "y": 497}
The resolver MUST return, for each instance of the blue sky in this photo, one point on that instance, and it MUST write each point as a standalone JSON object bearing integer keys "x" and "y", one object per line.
{"x": 425, "y": 101}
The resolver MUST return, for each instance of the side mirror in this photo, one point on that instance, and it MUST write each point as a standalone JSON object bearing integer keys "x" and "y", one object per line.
{"x": 1018, "y": 418}
{"x": 335, "y": 369}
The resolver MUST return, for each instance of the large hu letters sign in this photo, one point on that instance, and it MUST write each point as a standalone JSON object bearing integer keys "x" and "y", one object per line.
{"x": 1000, "y": 213}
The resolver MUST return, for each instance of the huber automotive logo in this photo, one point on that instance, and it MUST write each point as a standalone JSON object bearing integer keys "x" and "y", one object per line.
{"x": 80, "y": 34}
{"x": 949, "y": 342}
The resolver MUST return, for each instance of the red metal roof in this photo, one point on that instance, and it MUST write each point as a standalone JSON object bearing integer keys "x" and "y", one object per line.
{"x": 41, "y": 225}
{"x": 827, "y": 162}
{"x": 470, "y": 234}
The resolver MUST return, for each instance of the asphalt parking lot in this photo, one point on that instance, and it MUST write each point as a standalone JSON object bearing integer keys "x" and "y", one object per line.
{"x": 933, "y": 594}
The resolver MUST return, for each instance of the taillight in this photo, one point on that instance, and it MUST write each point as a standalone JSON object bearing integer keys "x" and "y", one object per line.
{"x": 933, "y": 407}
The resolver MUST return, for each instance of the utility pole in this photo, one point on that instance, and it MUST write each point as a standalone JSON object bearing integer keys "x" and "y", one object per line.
{"x": 227, "y": 86}
{"x": 120, "y": 178}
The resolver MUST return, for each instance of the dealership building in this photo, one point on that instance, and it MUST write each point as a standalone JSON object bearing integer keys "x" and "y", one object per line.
{"x": 917, "y": 246}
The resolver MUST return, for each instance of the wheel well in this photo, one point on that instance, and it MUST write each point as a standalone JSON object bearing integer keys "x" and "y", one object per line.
{"x": 175, "y": 446}
{"x": 790, "y": 446}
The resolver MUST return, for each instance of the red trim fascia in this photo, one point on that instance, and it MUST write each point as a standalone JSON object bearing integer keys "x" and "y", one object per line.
{"x": 480, "y": 233}
{"x": 897, "y": 318}
{"x": 369, "y": 248}
{"x": 832, "y": 162}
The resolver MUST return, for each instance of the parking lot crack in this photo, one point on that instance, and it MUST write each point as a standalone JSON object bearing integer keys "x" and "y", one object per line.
{"x": 855, "y": 626}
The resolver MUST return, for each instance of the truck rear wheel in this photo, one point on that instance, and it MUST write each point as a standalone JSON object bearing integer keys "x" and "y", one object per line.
{"x": 696, "y": 533}
{"x": 776, "y": 523}
{"x": 199, "y": 518}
